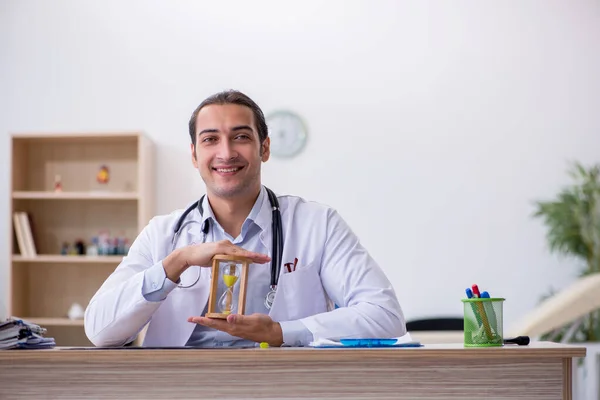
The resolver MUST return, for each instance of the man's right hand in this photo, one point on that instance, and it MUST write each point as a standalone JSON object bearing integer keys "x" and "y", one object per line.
{"x": 201, "y": 255}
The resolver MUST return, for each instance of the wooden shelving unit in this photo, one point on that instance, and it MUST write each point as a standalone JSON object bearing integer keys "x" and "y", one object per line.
{"x": 44, "y": 286}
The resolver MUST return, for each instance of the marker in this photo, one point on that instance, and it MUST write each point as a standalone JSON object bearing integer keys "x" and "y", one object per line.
{"x": 490, "y": 310}
{"x": 470, "y": 296}
{"x": 519, "y": 340}
{"x": 482, "y": 313}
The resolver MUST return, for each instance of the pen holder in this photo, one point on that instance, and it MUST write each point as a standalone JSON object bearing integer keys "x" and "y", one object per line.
{"x": 483, "y": 322}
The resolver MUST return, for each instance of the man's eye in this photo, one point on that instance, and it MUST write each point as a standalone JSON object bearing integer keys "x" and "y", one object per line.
{"x": 242, "y": 137}
{"x": 208, "y": 139}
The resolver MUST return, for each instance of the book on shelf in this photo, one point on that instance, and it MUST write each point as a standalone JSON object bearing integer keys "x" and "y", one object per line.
{"x": 24, "y": 234}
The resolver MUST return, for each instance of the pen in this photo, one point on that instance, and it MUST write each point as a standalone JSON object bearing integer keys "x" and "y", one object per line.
{"x": 482, "y": 313}
{"x": 470, "y": 296}
{"x": 490, "y": 311}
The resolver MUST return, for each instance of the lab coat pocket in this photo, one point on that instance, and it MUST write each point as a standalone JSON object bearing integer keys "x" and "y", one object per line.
{"x": 302, "y": 293}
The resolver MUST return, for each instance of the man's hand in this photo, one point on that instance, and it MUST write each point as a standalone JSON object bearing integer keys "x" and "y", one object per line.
{"x": 256, "y": 327}
{"x": 201, "y": 254}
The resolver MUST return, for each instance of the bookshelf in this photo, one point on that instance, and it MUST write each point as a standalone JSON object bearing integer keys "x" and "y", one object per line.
{"x": 46, "y": 282}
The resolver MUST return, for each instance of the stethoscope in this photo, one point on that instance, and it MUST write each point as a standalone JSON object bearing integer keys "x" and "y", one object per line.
{"x": 277, "y": 241}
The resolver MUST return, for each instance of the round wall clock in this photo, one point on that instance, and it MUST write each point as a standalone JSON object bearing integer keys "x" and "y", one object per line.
{"x": 288, "y": 133}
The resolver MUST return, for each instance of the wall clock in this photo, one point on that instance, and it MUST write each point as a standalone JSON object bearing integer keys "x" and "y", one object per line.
{"x": 288, "y": 133}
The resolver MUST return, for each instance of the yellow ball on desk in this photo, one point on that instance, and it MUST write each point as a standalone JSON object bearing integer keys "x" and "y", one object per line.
{"x": 264, "y": 345}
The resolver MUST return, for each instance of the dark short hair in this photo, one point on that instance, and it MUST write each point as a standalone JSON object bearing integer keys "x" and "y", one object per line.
{"x": 232, "y": 97}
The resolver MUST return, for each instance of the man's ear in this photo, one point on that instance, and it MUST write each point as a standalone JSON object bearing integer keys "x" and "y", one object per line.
{"x": 266, "y": 149}
{"x": 194, "y": 160}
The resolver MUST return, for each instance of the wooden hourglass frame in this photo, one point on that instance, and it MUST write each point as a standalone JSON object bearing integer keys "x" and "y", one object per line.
{"x": 237, "y": 268}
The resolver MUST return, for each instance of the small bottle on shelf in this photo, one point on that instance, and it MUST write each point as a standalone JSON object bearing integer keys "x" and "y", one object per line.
{"x": 64, "y": 250}
{"x": 92, "y": 249}
{"x": 80, "y": 247}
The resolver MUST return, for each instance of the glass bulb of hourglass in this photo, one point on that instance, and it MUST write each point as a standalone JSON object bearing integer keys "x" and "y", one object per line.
{"x": 231, "y": 273}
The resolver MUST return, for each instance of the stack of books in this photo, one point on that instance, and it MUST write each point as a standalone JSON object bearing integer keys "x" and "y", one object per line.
{"x": 16, "y": 333}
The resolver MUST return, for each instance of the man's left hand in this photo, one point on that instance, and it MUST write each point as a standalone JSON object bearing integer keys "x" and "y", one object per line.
{"x": 256, "y": 327}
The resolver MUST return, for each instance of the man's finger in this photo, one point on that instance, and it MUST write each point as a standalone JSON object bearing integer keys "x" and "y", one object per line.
{"x": 210, "y": 322}
{"x": 259, "y": 258}
{"x": 255, "y": 257}
{"x": 197, "y": 320}
{"x": 237, "y": 319}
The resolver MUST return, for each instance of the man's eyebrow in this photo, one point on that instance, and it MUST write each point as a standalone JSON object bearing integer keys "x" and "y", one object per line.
{"x": 234, "y": 129}
{"x": 212, "y": 130}
{"x": 241, "y": 128}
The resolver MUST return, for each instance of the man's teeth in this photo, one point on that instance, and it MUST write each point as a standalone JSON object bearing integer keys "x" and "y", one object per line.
{"x": 227, "y": 169}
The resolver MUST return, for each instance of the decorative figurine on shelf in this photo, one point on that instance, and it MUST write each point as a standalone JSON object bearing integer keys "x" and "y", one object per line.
{"x": 76, "y": 311}
{"x": 57, "y": 183}
{"x": 224, "y": 299}
{"x": 103, "y": 175}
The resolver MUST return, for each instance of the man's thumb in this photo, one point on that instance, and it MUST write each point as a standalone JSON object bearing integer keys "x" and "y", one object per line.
{"x": 236, "y": 319}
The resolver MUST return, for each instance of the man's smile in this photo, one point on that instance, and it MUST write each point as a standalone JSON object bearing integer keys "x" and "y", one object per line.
{"x": 227, "y": 171}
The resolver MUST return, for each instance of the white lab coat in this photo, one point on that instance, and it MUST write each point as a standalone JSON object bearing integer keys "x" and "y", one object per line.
{"x": 334, "y": 268}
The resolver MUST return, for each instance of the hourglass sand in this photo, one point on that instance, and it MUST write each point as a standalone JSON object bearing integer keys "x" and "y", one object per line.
{"x": 230, "y": 277}
{"x": 230, "y": 270}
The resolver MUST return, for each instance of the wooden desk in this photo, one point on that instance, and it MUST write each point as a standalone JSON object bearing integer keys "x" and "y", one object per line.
{"x": 445, "y": 371}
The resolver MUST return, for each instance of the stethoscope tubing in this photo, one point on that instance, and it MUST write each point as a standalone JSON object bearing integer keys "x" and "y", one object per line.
{"x": 276, "y": 226}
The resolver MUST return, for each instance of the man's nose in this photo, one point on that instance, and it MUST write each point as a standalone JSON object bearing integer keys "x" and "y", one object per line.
{"x": 226, "y": 151}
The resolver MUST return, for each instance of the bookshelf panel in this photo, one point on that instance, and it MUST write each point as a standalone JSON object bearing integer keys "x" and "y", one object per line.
{"x": 50, "y": 289}
{"x": 67, "y": 336}
{"x": 20, "y": 160}
{"x": 54, "y": 222}
{"x": 19, "y": 300}
{"x": 77, "y": 161}
{"x": 68, "y": 259}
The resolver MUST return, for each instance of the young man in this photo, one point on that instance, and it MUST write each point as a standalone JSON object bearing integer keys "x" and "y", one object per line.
{"x": 164, "y": 282}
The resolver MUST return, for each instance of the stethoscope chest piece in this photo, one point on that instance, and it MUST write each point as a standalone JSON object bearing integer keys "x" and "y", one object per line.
{"x": 270, "y": 297}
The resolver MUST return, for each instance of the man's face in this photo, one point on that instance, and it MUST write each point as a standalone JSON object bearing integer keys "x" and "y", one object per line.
{"x": 228, "y": 151}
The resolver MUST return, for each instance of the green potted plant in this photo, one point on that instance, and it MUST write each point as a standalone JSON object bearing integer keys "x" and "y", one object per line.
{"x": 573, "y": 222}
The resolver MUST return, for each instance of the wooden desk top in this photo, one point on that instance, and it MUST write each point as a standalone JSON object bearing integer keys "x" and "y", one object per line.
{"x": 436, "y": 372}
{"x": 436, "y": 351}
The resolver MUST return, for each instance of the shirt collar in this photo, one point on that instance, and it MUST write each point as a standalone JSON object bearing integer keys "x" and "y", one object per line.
{"x": 259, "y": 214}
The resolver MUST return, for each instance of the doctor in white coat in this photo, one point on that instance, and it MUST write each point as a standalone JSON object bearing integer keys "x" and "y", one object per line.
{"x": 163, "y": 282}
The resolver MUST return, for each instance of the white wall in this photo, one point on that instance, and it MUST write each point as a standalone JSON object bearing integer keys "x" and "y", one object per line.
{"x": 433, "y": 125}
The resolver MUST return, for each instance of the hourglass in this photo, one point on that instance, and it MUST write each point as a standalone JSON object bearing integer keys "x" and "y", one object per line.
{"x": 228, "y": 286}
